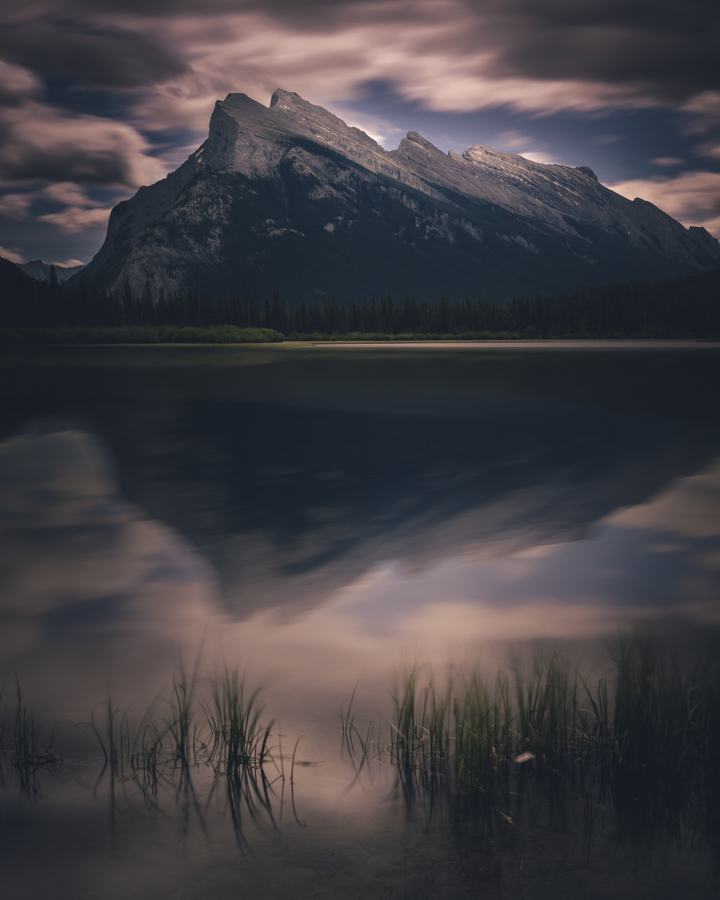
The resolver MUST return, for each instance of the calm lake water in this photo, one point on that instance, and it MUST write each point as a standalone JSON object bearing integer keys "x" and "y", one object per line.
{"x": 322, "y": 520}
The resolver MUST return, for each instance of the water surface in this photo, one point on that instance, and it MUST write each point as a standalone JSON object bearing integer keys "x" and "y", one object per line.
{"x": 322, "y": 518}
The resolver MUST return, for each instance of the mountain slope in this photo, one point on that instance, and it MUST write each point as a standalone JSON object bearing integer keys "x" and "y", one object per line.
{"x": 291, "y": 198}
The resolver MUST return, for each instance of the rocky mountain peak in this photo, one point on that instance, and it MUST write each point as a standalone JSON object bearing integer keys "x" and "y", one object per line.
{"x": 586, "y": 170}
{"x": 285, "y": 97}
{"x": 289, "y": 113}
{"x": 418, "y": 139}
{"x": 290, "y": 197}
{"x": 250, "y": 138}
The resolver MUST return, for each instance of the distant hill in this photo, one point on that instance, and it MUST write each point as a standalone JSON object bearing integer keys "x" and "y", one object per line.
{"x": 16, "y": 283}
{"x": 25, "y": 301}
{"x": 290, "y": 198}
{"x": 40, "y": 270}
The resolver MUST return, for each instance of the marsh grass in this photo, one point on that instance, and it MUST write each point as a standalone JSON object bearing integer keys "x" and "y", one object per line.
{"x": 23, "y": 749}
{"x": 113, "y": 737}
{"x": 483, "y": 734}
{"x": 238, "y": 749}
{"x": 206, "y": 731}
{"x": 665, "y": 733}
{"x": 359, "y": 747}
{"x": 420, "y": 736}
{"x": 643, "y": 738}
{"x": 238, "y": 738}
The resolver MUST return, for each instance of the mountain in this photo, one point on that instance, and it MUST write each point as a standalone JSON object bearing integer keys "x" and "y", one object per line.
{"x": 291, "y": 198}
{"x": 23, "y": 300}
{"x": 40, "y": 270}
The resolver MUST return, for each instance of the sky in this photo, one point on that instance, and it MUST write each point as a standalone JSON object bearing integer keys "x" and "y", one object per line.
{"x": 98, "y": 97}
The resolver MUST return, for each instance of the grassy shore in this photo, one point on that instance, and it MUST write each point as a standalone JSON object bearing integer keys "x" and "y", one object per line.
{"x": 137, "y": 334}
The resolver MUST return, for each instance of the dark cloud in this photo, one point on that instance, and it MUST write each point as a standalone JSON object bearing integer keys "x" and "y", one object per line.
{"x": 39, "y": 143}
{"x": 664, "y": 48}
{"x": 66, "y": 164}
{"x": 660, "y": 49}
{"x": 123, "y": 59}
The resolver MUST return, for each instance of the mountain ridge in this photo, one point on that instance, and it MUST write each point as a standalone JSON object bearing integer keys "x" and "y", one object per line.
{"x": 290, "y": 197}
{"x": 40, "y": 270}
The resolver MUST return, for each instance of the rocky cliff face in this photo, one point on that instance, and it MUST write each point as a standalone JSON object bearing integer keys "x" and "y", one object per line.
{"x": 290, "y": 198}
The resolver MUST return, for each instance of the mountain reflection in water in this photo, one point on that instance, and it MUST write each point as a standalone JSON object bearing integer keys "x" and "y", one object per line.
{"x": 429, "y": 518}
{"x": 292, "y": 502}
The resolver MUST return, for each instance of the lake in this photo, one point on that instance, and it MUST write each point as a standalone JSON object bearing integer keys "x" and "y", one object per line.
{"x": 429, "y": 563}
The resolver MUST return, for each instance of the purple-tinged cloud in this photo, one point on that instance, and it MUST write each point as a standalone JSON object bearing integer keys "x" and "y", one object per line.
{"x": 113, "y": 58}
{"x": 12, "y": 254}
{"x": 41, "y": 143}
{"x": 446, "y": 54}
{"x": 691, "y": 197}
{"x": 15, "y": 207}
{"x": 16, "y": 84}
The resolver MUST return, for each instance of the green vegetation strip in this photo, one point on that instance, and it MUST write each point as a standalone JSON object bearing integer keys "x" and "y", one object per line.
{"x": 138, "y": 334}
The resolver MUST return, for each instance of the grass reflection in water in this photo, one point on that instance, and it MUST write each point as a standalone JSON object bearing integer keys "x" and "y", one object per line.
{"x": 21, "y": 752}
{"x": 207, "y": 735}
{"x": 642, "y": 742}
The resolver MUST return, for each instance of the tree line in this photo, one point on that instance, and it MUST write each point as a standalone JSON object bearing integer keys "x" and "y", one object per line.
{"x": 674, "y": 308}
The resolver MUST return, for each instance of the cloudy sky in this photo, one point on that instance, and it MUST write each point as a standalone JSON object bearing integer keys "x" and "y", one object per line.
{"x": 98, "y": 97}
